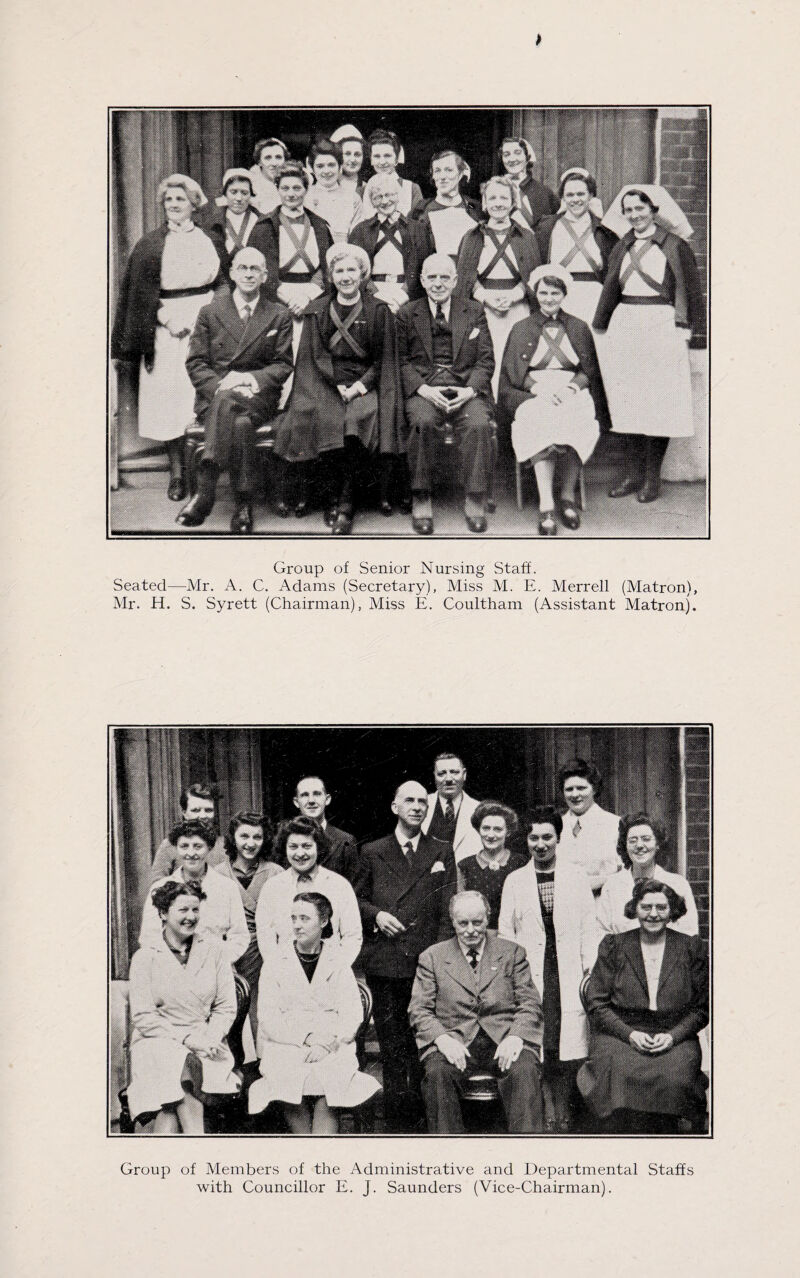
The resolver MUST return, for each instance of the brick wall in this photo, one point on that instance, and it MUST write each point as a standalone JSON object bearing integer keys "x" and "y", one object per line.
{"x": 683, "y": 171}
{"x": 698, "y": 813}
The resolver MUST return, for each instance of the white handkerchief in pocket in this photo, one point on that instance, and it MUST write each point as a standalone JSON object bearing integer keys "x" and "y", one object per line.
{"x": 473, "y": 334}
{"x": 437, "y": 868}
{"x": 272, "y": 332}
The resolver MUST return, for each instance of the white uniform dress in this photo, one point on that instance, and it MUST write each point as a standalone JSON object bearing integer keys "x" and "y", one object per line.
{"x": 617, "y": 891}
{"x": 645, "y": 358}
{"x": 166, "y": 396}
{"x": 274, "y": 911}
{"x": 290, "y": 1007}
{"x": 341, "y": 208}
{"x": 388, "y": 260}
{"x": 449, "y": 226}
{"x": 221, "y": 914}
{"x": 265, "y": 192}
{"x": 540, "y": 426}
{"x": 503, "y": 278}
{"x": 168, "y": 1000}
{"x": 573, "y": 246}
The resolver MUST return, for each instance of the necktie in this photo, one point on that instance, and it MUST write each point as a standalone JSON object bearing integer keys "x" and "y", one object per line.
{"x": 304, "y": 878}
{"x": 472, "y": 956}
{"x": 247, "y": 311}
{"x": 409, "y": 851}
{"x": 439, "y": 319}
{"x": 576, "y": 829}
{"x": 450, "y": 815}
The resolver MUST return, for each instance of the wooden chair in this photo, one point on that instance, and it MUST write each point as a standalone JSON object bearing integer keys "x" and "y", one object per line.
{"x": 194, "y": 446}
{"x": 362, "y": 1119}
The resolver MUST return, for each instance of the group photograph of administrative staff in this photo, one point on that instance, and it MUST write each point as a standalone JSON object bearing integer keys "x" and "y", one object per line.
{"x": 374, "y": 930}
{"x": 405, "y": 322}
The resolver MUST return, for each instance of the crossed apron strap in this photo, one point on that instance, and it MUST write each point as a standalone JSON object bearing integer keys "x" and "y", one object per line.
{"x": 343, "y": 333}
{"x": 635, "y": 254}
{"x": 554, "y": 350}
{"x": 394, "y": 237}
{"x": 502, "y": 254}
{"x": 580, "y": 245}
{"x": 238, "y": 236}
{"x": 300, "y": 254}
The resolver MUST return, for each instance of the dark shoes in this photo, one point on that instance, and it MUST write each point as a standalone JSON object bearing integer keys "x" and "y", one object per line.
{"x": 385, "y": 507}
{"x": 282, "y": 509}
{"x": 547, "y": 524}
{"x": 242, "y": 518}
{"x": 197, "y": 511}
{"x": 177, "y": 488}
{"x": 569, "y": 514}
{"x": 476, "y": 524}
{"x": 650, "y": 490}
{"x": 301, "y": 509}
{"x": 630, "y": 484}
{"x": 342, "y": 525}
{"x": 422, "y": 526}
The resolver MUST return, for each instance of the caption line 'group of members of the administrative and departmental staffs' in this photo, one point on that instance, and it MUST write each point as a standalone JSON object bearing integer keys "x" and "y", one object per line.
{"x": 386, "y": 324}
{"x": 475, "y": 944}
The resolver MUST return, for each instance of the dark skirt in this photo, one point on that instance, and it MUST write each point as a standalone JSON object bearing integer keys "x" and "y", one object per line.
{"x": 616, "y": 1076}
{"x": 551, "y": 997}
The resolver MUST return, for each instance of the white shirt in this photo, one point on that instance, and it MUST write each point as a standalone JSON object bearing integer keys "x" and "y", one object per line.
{"x": 465, "y": 948}
{"x": 240, "y": 301}
{"x": 446, "y": 314}
{"x": 404, "y": 839}
{"x": 221, "y": 914}
{"x": 274, "y": 910}
{"x": 595, "y": 845}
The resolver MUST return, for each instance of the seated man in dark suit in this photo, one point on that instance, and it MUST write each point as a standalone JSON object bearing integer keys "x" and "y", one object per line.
{"x": 240, "y": 354}
{"x": 311, "y": 798}
{"x": 474, "y": 1007}
{"x": 446, "y": 363}
{"x": 198, "y": 802}
{"x": 408, "y": 882}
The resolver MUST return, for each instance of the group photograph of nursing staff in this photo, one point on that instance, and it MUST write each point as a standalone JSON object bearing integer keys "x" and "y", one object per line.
{"x": 410, "y": 931}
{"x": 405, "y": 322}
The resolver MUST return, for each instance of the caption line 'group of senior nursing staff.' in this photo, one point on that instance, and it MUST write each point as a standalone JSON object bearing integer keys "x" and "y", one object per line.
{"x": 474, "y": 951}
{"x": 589, "y": 318}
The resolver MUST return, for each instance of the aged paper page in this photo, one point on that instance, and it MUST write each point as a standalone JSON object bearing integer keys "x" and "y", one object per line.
{"x": 76, "y": 663}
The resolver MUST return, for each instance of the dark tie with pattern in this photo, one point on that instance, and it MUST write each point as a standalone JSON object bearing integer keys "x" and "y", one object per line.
{"x": 409, "y": 851}
{"x": 450, "y": 819}
{"x": 304, "y": 878}
{"x": 247, "y": 311}
{"x": 472, "y": 956}
{"x": 439, "y": 320}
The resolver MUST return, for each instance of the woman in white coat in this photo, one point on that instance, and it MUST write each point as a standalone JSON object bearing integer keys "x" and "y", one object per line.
{"x": 642, "y": 842}
{"x": 548, "y": 908}
{"x": 301, "y": 842}
{"x": 182, "y": 1004}
{"x": 309, "y": 1012}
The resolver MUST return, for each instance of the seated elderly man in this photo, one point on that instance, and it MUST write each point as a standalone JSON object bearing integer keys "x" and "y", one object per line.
{"x": 475, "y": 1008}
{"x": 240, "y": 354}
{"x": 446, "y": 364}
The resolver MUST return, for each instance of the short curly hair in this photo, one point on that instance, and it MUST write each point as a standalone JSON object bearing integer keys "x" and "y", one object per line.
{"x": 545, "y": 816}
{"x": 299, "y": 825}
{"x": 164, "y": 894}
{"x": 626, "y": 824}
{"x": 248, "y": 818}
{"x": 572, "y": 175}
{"x": 507, "y": 184}
{"x": 265, "y": 142}
{"x": 490, "y": 808}
{"x": 188, "y": 829}
{"x": 292, "y": 169}
{"x": 579, "y": 767}
{"x": 644, "y": 887}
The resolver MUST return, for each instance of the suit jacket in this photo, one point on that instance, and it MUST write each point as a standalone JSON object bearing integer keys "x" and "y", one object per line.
{"x": 449, "y": 998}
{"x": 466, "y": 840}
{"x": 540, "y": 198}
{"x": 265, "y": 236}
{"x": 221, "y": 344}
{"x": 617, "y": 997}
{"x": 473, "y": 356}
{"x": 417, "y": 245}
{"x": 520, "y": 346}
{"x": 418, "y": 896}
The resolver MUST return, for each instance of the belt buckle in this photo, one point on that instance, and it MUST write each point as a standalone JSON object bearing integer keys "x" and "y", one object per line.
{"x": 391, "y": 279}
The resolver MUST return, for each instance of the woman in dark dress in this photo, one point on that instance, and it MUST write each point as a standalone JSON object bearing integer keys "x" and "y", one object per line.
{"x": 486, "y": 871}
{"x": 517, "y": 160}
{"x": 548, "y": 908}
{"x": 346, "y": 406}
{"x": 647, "y": 1000}
{"x": 247, "y": 847}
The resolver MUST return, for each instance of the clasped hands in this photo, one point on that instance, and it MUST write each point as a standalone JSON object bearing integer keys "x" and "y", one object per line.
{"x": 318, "y": 1046}
{"x": 203, "y": 1044}
{"x": 455, "y": 1052}
{"x": 446, "y": 403}
{"x": 244, "y": 383}
{"x": 650, "y": 1044}
{"x": 352, "y": 392}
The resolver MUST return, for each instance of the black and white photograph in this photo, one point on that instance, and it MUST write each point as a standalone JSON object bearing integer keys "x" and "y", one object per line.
{"x": 366, "y": 930}
{"x": 417, "y": 322}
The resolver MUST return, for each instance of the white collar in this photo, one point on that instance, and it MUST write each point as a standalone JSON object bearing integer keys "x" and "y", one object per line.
{"x": 403, "y": 839}
{"x": 240, "y": 301}
{"x": 441, "y": 798}
{"x": 464, "y": 947}
{"x": 445, "y": 312}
